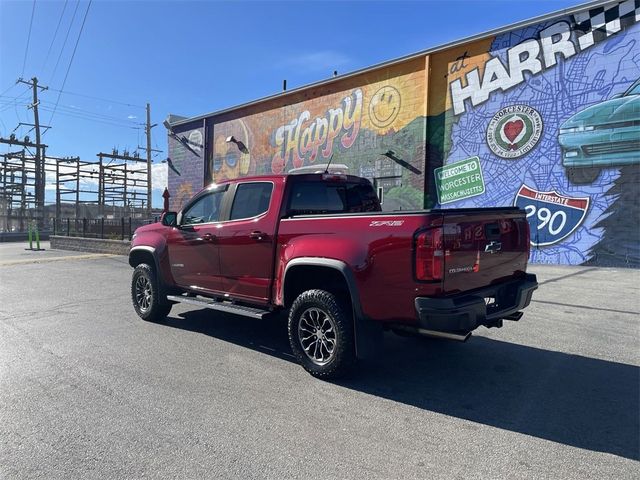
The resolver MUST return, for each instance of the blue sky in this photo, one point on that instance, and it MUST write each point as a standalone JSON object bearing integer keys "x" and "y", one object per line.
{"x": 190, "y": 58}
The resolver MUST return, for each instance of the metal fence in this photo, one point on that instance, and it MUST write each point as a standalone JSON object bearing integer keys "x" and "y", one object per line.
{"x": 109, "y": 228}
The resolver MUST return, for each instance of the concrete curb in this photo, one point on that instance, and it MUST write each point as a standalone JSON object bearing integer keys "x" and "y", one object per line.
{"x": 93, "y": 245}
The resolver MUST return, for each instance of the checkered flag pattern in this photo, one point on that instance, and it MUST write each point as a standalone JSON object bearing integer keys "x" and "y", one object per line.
{"x": 599, "y": 23}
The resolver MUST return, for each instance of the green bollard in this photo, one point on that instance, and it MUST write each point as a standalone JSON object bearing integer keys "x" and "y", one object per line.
{"x": 30, "y": 238}
{"x": 37, "y": 238}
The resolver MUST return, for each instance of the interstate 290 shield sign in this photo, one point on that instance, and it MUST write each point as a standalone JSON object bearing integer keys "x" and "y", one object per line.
{"x": 552, "y": 217}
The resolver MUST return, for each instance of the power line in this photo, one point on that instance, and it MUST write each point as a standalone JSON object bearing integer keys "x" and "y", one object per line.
{"x": 64, "y": 43}
{"x": 75, "y": 109}
{"x": 97, "y": 98}
{"x": 26, "y": 50}
{"x": 15, "y": 102}
{"x": 83, "y": 111}
{"x": 55, "y": 35}
{"x": 15, "y": 97}
{"x": 13, "y": 85}
{"x": 72, "y": 57}
{"x": 89, "y": 119}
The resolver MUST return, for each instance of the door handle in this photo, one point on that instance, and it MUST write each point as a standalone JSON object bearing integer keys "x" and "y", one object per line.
{"x": 208, "y": 237}
{"x": 256, "y": 235}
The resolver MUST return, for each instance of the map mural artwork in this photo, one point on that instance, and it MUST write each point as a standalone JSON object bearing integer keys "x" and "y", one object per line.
{"x": 551, "y": 111}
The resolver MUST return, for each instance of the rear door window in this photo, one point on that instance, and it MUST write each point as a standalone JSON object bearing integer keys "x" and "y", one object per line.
{"x": 251, "y": 199}
{"x": 312, "y": 198}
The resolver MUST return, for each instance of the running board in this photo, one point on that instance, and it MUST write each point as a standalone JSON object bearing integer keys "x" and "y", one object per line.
{"x": 223, "y": 306}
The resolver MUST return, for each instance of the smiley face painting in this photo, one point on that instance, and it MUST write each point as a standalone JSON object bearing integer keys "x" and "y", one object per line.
{"x": 384, "y": 106}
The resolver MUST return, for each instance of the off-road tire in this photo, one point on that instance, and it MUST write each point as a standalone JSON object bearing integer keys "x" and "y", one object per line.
{"x": 145, "y": 294}
{"x": 342, "y": 358}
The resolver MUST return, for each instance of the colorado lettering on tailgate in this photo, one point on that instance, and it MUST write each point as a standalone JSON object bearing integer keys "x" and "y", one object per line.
{"x": 386, "y": 223}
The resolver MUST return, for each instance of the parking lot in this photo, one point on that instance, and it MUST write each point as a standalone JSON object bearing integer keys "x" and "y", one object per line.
{"x": 88, "y": 390}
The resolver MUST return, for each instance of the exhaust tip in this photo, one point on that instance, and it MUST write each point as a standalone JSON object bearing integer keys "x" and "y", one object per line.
{"x": 459, "y": 337}
{"x": 514, "y": 317}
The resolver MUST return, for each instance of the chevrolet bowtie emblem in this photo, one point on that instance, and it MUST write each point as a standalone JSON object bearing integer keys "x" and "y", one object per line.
{"x": 493, "y": 247}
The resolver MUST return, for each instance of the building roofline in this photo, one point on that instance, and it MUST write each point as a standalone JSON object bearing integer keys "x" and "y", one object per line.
{"x": 405, "y": 58}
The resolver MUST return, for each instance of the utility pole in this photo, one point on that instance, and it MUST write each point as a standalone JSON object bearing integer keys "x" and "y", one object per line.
{"x": 40, "y": 173}
{"x": 149, "y": 186}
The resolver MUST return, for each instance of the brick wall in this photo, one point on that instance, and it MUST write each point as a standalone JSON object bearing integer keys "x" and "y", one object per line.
{"x": 186, "y": 163}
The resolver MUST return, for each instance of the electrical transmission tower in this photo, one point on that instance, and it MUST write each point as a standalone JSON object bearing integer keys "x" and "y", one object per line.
{"x": 40, "y": 149}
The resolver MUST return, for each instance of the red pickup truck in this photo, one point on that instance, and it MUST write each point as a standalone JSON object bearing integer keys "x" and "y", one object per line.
{"x": 319, "y": 247}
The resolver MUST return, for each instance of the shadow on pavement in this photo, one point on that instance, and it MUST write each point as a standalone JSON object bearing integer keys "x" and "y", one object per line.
{"x": 578, "y": 401}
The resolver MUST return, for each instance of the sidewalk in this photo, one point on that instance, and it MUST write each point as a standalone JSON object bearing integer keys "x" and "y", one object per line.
{"x": 15, "y": 253}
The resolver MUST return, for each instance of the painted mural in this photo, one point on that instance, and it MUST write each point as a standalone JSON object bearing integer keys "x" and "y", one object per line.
{"x": 375, "y": 125}
{"x": 186, "y": 163}
{"x": 545, "y": 117}
{"x": 549, "y": 117}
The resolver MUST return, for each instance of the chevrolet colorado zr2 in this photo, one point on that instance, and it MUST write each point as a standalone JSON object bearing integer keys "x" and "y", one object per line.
{"x": 318, "y": 247}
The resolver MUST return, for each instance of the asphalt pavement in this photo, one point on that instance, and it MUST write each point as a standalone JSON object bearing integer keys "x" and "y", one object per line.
{"x": 88, "y": 390}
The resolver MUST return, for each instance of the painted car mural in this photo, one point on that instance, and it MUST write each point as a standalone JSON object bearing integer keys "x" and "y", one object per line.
{"x": 603, "y": 135}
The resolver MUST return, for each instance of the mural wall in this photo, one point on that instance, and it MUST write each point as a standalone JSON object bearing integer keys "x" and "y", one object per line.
{"x": 186, "y": 163}
{"x": 547, "y": 118}
{"x": 374, "y": 124}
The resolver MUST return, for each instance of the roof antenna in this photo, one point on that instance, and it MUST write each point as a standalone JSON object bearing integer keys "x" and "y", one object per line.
{"x": 326, "y": 169}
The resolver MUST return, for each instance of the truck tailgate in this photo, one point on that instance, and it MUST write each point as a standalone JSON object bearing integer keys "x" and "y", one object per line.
{"x": 483, "y": 247}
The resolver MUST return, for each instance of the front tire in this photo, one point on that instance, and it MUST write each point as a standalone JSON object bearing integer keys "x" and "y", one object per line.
{"x": 145, "y": 295}
{"x": 321, "y": 334}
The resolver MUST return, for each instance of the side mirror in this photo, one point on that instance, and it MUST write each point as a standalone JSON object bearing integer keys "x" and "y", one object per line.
{"x": 169, "y": 219}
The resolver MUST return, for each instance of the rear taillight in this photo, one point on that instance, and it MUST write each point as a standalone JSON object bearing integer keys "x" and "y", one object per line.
{"x": 334, "y": 177}
{"x": 430, "y": 255}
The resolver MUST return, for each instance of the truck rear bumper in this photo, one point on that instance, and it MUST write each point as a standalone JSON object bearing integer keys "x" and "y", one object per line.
{"x": 467, "y": 311}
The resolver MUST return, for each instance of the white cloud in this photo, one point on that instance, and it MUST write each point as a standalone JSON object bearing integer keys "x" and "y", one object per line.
{"x": 131, "y": 117}
{"x": 159, "y": 176}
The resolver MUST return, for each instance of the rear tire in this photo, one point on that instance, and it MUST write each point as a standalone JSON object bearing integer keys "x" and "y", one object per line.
{"x": 145, "y": 295}
{"x": 321, "y": 334}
